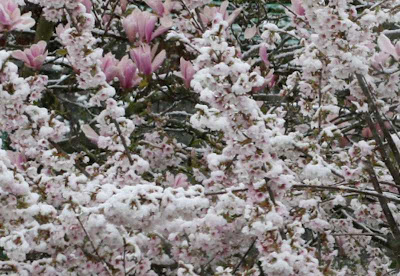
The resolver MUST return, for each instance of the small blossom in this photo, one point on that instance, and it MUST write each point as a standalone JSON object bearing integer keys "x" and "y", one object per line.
{"x": 145, "y": 60}
{"x": 187, "y": 71}
{"x": 11, "y": 18}
{"x": 34, "y": 56}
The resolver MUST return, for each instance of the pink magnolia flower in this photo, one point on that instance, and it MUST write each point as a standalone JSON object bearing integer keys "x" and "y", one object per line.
{"x": 187, "y": 71}
{"x": 109, "y": 66}
{"x": 264, "y": 55}
{"x": 387, "y": 46}
{"x": 11, "y": 18}
{"x": 298, "y": 8}
{"x": 208, "y": 14}
{"x": 127, "y": 73}
{"x": 159, "y": 7}
{"x": 34, "y": 56}
{"x": 145, "y": 58}
{"x": 140, "y": 25}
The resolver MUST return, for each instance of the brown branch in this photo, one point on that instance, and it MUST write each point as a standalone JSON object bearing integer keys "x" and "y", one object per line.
{"x": 94, "y": 247}
{"x": 384, "y": 203}
{"x": 345, "y": 189}
{"x": 123, "y": 141}
{"x": 382, "y": 150}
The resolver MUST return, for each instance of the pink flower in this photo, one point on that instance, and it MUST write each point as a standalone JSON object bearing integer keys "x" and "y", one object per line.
{"x": 145, "y": 60}
{"x": 208, "y": 14}
{"x": 298, "y": 8}
{"x": 264, "y": 55}
{"x": 17, "y": 159}
{"x": 140, "y": 25}
{"x": 11, "y": 18}
{"x": 127, "y": 73}
{"x": 34, "y": 56}
{"x": 159, "y": 7}
{"x": 187, "y": 71}
{"x": 109, "y": 66}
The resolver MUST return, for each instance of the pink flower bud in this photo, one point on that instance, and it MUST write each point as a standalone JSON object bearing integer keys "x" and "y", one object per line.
{"x": 145, "y": 60}
{"x": 34, "y": 56}
{"x": 127, "y": 73}
{"x": 187, "y": 71}
{"x": 140, "y": 26}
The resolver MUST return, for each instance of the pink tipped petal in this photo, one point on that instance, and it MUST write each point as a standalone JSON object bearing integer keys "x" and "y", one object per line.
{"x": 250, "y": 32}
{"x": 149, "y": 28}
{"x": 157, "y": 6}
{"x": 233, "y": 16}
{"x": 158, "y": 60}
{"x": 223, "y": 7}
{"x": 159, "y": 31}
{"x": 42, "y": 45}
{"x": 187, "y": 71}
{"x": 38, "y": 62}
{"x": 19, "y": 55}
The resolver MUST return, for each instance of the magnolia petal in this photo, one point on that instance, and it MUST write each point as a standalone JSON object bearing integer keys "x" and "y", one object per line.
{"x": 250, "y": 32}
{"x": 158, "y": 60}
{"x": 90, "y": 133}
{"x": 386, "y": 45}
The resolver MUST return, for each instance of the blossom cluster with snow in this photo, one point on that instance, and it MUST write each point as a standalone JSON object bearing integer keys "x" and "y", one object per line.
{"x": 196, "y": 137}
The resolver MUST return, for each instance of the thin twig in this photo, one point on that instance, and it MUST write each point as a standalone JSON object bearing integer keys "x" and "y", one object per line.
{"x": 123, "y": 141}
{"x": 244, "y": 256}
